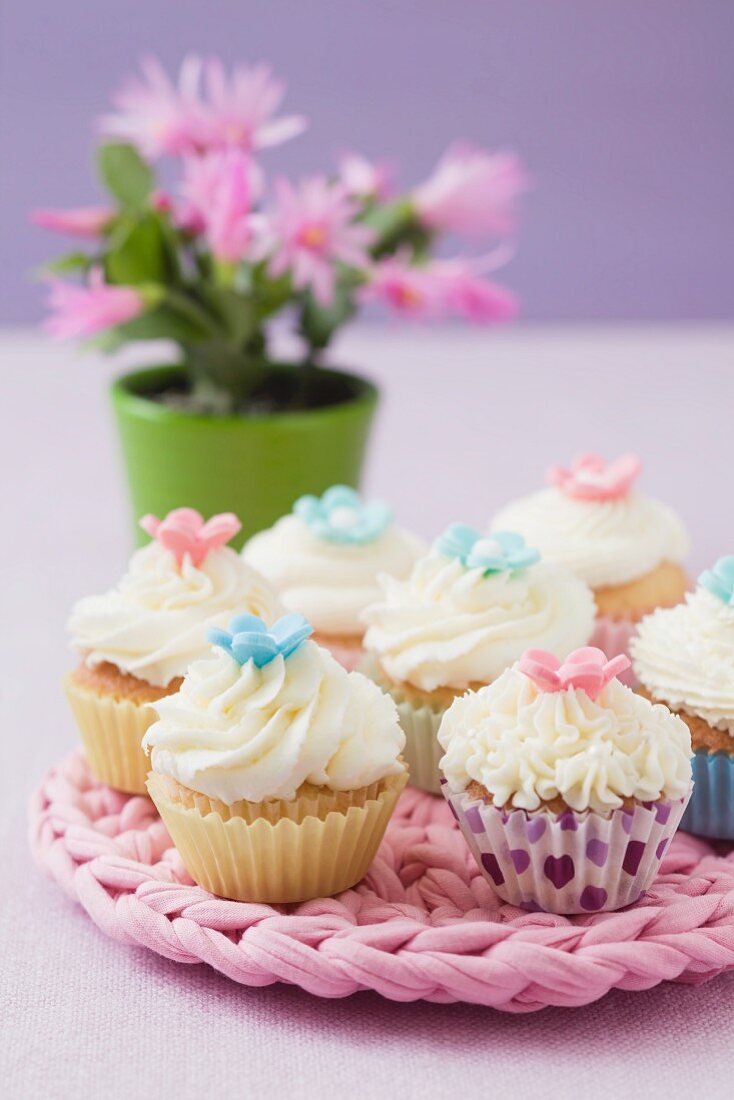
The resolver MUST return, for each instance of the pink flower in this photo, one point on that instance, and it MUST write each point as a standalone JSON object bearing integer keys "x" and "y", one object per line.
{"x": 84, "y": 310}
{"x": 440, "y": 289}
{"x": 471, "y": 192}
{"x": 364, "y": 178}
{"x": 162, "y": 201}
{"x": 219, "y": 189}
{"x": 159, "y": 116}
{"x": 467, "y": 294}
{"x": 585, "y": 670}
{"x": 184, "y": 532}
{"x": 241, "y": 108}
{"x": 85, "y": 221}
{"x": 312, "y": 228}
{"x": 590, "y": 478}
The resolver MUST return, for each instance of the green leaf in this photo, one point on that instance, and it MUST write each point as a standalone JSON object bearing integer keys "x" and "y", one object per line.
{"x": 395, "y": 225}
{"x": 235, "y": 312}
{"x": 319, "y": 323}
{"x": 64, "y": 265}
{"x": 125, "y": 175}
{"x": 139, "y": 252}
{"x": 270, "y": 294}
{"x": 160, "y": 323}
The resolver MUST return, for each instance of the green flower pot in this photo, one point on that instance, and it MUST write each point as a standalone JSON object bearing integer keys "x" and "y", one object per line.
{"x": 254, "y": 465}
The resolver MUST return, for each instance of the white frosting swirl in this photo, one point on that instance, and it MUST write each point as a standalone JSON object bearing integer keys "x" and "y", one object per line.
{"x": 684, "y": 655}
{"x": 154, "y": 623}
{"x": 606, "y": 542}
{"x": 331, "y": 583}
{"x": 258, "y": 733}
{"x": 448, "y": 626}
{"x": 526, "y": 746}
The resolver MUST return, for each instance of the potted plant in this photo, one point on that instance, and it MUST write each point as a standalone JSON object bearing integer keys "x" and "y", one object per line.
{"x": 209, "y": 263}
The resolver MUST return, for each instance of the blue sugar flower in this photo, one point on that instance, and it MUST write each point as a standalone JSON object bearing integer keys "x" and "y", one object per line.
{"x": 502, "y": 552}
{"x": 720, "y": 580}
{"x": 341, "y": 516}
{"x": 248, "y": 638}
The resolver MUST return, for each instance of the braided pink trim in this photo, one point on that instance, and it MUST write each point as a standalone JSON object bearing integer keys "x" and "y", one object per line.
{"x": 424, "y": 924}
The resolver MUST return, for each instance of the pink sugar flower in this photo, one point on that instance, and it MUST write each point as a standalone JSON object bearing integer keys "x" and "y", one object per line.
{"x": 160, "y": 117}
{"x": 472, "y": 192}
{"x": 241, "y": 107}
{"x": 312, "y": 228}
{"x": 184, "y": 532}
{"x": 439, "y": 289}
{"x": 591, "y": 478}
{"x": 364, "y": 178}
{"x": 219, "y": 190}
{"x": 157, "y": 115}
{"x": 84, "y": 221}
{"x": 585, "y": 670}
{"x": 85, "y": 310}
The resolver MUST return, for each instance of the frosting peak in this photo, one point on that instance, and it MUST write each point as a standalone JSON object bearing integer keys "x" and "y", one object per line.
{"x": 604, "y": 541}
{"x": 257, "y": 733}
{"x": 527, "y": 746}
{"x": 451, "y": 626}
{"x": 330, "y": 581}
{"x": 684, "y": 655}
{"x": 154, "y": 623}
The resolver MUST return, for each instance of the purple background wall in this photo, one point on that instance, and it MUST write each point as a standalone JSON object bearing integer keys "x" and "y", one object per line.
{"x": 623, "y": 111}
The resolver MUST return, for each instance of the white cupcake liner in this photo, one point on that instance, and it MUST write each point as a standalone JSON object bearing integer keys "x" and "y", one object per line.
{"x": 420, "y": 724}
{"x": 613, "y": 636}
{"x": 571, "y": 862}
{"x": 422, "y": 750}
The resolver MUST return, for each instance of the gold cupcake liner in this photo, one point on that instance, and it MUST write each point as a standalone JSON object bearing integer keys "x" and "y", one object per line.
{"x": 111, "y": 731}
{"x": 281, "y": 852}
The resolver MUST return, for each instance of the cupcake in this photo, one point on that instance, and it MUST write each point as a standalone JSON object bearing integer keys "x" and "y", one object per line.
{"x": 626, "y": 547}
{"x": 684, "y": 657}
{"x": 567, "y": 786}
{"x": 324, "y": 559}
{"x": 469, "y": 609}
{"x": 274, "y": 769}
{"x": 138, "y": 639}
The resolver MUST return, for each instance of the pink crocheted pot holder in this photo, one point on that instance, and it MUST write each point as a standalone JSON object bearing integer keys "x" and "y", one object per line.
{"x": 424, "y": 923}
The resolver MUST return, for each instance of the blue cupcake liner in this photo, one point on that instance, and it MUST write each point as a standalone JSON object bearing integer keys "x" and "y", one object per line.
{"x": 711, "y": 809}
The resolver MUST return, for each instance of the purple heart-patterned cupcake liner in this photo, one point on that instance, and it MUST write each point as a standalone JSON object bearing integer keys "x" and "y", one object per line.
{"x": 571, "y": 862}
{"x": 711, "y": 809}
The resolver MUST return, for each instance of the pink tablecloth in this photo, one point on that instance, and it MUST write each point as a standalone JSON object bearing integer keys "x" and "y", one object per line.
{"x": 469, "y": 421}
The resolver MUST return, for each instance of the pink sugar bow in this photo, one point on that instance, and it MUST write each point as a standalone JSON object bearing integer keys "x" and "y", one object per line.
{"x": 586, "y": 669}
{"x": 183, "y": 531}
{"x": 591, "y": 478}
